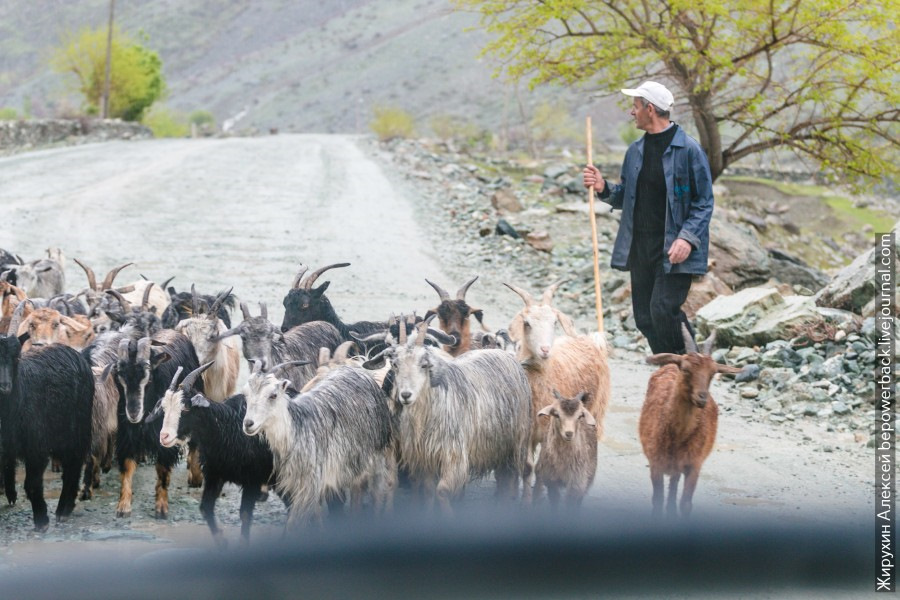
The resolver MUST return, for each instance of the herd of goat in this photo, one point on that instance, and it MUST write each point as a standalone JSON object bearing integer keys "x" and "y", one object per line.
{"x": 333, "y": 413}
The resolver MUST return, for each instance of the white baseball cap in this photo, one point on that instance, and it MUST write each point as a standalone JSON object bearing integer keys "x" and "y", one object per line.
{"x": 656, "y": 93}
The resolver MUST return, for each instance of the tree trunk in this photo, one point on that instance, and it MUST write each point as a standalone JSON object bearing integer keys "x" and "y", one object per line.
{"x": 708, "y": 131}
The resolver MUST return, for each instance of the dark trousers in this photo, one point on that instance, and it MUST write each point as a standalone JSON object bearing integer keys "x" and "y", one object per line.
{"x": 656, "y": 297}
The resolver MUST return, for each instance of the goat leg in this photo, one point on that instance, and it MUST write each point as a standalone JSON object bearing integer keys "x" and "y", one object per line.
{"x": 671, "y": 502}
{"x": 34, "y": 490}
{"x": 163, "y": 476}
{"x": 656, "y": 478}
{"x": 211, "y": 492}
{"x": 248, "y": 501}
{"x": 195, "y": 474}
{"x": 9, "y": 477}
{"x": 126, "y": 474}
{"x": 691, "y": 475}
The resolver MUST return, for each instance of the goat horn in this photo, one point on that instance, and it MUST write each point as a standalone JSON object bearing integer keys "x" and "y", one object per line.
{"x": 255, "y": 366}
{"x": 174, "y": 383}
{"x": 401, "y": 329}
{"x": 290, "y": 363}
{"x": 299, "y": 277}
{"x": 422, "y": 329}
{"x": 143, "y": 348}
{"x": 547, "y": 298}
{"x": 123, "y": 349}
{"x": 145, "y": 301}
{"x": 311, "y": 279}
{"x": 92, "y": 279}
{"x": 111, "y": 276}
{"x": 230, "y": 332}
{"x": 441, "y": 291}
{"x": 461, "y": 294}
{"x": 709, "y": 343}
{"x": 341, "y": 352}
{"x": 374, "y": 337}
{"x": 214, "y": 309}
{"x": 263, "y": 312}
{"x": 126, "y": 305}
{"x": 16, "y": 319}
{"x": 324, "y": 355}
{"x": 245, "y": 311}
{"x": 165, "y": 284}
{"x": 689, "y": 344}
{"x": 195, "y": 302}
{"x": 526, "y": 297}
{"x": 189, "y": 380}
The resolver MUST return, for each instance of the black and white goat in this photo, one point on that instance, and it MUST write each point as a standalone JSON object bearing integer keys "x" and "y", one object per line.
{"x": 226, "y": 454}
{"x": 183, "y": 306}
{"x": 45, "y": 412}
{"x": 263, "y": 341}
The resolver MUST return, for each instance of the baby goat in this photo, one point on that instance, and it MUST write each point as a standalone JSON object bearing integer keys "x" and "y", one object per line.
{"x": 679, "y": 419}
{"x": 568, "y": 452}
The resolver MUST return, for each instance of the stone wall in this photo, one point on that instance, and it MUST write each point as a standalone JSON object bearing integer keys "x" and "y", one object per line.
{"x": 22, "y": 135}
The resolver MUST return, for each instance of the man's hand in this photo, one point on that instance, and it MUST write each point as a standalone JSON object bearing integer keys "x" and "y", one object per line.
{"x": 592, "y": 177}
{"x": 679, "y": 251}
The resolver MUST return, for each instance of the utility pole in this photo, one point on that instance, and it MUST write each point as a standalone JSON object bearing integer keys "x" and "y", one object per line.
{"x": 105, "y": 109}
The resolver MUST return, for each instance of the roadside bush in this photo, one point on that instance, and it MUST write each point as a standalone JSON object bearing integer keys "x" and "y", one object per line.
{"x": 8, "y": 114}
{"x": 167, "y": 123}
{"x": 391, "y": 122}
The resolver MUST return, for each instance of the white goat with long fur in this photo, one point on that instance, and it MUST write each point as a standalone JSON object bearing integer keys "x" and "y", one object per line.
{"x": 204, "y": 329}
{"x": 461, "y": 418}
{"x": 571, "y": 364}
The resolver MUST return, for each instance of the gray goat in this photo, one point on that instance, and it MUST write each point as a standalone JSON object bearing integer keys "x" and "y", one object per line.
{"x": 460, "y": 418}
{"x": 325, "y": 440}
{"x": 263, "y": 341}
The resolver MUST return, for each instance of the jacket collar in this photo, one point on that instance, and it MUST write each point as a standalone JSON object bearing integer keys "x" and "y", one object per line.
{"x": 679, "y": 139}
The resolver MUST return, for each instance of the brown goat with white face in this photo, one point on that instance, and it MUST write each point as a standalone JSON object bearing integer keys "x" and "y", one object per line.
{"x": 453, "y": 316}
{"x": 679, "y": 420}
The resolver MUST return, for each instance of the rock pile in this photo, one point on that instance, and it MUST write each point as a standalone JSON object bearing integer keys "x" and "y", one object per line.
{"x": 23, "y": 135}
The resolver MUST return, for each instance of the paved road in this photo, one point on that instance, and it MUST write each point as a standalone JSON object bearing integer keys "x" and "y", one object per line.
{"x": 248, "y": 212}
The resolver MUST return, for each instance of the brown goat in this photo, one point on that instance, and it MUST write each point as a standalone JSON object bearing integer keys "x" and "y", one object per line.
{"x": 453, "y": 316}
{"x": 568, "y": 452}
{"x": 48, "y": 326}
{"x": 678, "y": 421}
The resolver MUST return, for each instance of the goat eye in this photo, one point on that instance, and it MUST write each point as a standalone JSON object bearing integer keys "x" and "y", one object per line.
{"x": 527, "y": 325}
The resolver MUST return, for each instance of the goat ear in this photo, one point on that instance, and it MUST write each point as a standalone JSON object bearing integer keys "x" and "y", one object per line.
{"x": 199, "y": 400}
{"x": 664, "y": 359}
{"x": 727, "y": 370}
{"x": 589, "y": 418}
{"x": 431, "y": 311}
{"x": 546, "y": 411}
{"x": 106, "y": 371}
{"x": 478, "y": 314}
{"x": 516, "y": 329}
{"x": 321, "y": 289}
{"x": 24, "y": 338}
{"x": 284, "y": 384}
{"x": 159, "y": 358}
{"x": 567, "y": 325}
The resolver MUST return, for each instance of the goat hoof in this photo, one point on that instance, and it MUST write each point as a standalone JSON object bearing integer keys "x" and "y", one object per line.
{"x": 162, "y": 513}
{"x": 42, "y": 527}
{"x": 195, "y": 482}
{"x": 123, "y": 514}
{"x": 86, "y": 495}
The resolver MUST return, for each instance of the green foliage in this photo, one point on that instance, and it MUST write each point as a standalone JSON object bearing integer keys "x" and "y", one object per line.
{"x": 463, "y": 131}
{"x": 136, "y": 79}
{"x": 551, "y": 122}
{"x": 816, "y": 77}
{"x": 202, "y": 118}
{"x": 167, "y": 123}
{"x": 8, "y": 114}
{"x": 629, "y": 133}
{"x": 392, "y": 122}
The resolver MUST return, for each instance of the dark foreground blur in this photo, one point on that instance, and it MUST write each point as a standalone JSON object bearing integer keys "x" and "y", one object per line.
{"x": 483, "y": 555}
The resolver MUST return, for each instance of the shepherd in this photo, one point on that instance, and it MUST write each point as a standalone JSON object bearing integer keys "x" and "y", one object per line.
{"x": 666, "y": 199}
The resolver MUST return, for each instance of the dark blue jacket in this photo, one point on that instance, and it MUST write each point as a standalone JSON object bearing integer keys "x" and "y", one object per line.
{"x": 689, "y": 202}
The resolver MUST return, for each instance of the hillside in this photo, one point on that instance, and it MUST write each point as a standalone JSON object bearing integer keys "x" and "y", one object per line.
{"x": 295, "y": 65}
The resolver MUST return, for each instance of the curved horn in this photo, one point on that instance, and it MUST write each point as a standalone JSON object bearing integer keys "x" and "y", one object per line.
{"x": 230, "y": 332}
{"x": 373, "y": 337}
{"x": 263, "y": 312}
{"x": 299, "y": 277}
{"x": 16, "y": 319}
{"x": 290, "y": 363}
{"x": 341, "y": 352}
{"x": 111, "y": 276}
{"x": 143, "y": 348}
{"x": 461, "y": 294}
{"x": 174, "y": 383}
{"x": 311, "y": 279}
{"x": 422, "y": 329}
{"x": 689, "y": 344}
{"x": 709, "y": 343}
{"x": 441, "y": 291}
{"x": 126, "y": 305}
{"x": 123, "y": 349}
{"x": 214, "y": 309}
{"x": 401, "y": 329}
{"x": 191, "y": 377}
{"x": 92, "y": 279}
{"x": 195, "y": 302}
{"x": 245, "y": 311}
{"x": 547, "y": 297}
{"x": 165, "y": 284}
{"x": 145, "y": 301}
{"x": 526, "y": 297}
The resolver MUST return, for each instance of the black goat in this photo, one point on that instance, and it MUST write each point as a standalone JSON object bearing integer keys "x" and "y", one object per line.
{"x": 263, "y": 341}
{"x": 142, "y": 373}
{"x": 45, "y": 412}
{"x": 304, "y": 304}
{"x": 183, "y": 307}
{"x": 143, "y": 319}
{"x": 227, "y": 455}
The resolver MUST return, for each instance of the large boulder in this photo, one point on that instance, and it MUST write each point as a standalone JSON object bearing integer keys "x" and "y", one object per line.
{"x": 756, "y": 316}
{"x": 740, "y": 260}
{"x": 790, "y": 269}
{"x": 704, "y": 290}
{"x": 854, "y": 287}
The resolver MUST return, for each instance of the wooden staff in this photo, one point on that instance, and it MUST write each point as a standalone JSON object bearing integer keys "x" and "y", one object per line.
{"x": 597, "y": 293}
